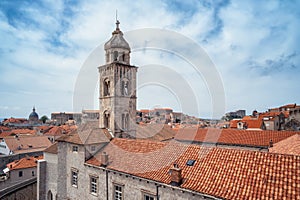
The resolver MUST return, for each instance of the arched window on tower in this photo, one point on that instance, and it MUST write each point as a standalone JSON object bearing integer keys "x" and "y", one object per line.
{"x": 125, "y": 121}
{"x": 125, "y": 88}
{"x": 49, "y": 195}
{"x": 106, "y": 118}
{"x": 116, "y": 56}
{"x": 106, "y": 89}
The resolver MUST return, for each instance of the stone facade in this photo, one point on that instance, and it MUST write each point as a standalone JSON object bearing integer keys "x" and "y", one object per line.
{"x": 58, "y": 180}
{"x": 17, "y": 176}
{"x": 118, "y": 88}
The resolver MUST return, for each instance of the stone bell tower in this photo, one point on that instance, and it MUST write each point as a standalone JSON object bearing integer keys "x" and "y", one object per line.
{"x": 118, "y": 88}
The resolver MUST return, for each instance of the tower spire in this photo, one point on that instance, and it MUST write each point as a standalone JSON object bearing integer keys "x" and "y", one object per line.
{"x": 117, "y": 21}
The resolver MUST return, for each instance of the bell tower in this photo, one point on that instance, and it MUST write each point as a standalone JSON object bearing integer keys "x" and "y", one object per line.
{"x": 118, "y": 87}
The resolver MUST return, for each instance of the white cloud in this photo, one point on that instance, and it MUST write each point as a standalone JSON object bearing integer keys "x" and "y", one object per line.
{"x": 43, "y": 58}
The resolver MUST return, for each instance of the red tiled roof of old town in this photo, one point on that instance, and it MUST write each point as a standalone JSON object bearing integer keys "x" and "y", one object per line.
{"x": 292, "y": 105}
{"x": 87, "y": 133}
{"x": 14, "y": 120}
{"x": 273, "y": 114}
{"x": 220, "y": 172}
{"x": 23, "y": 144}
{"x": 52, "y": 149}
{"x": 233, "y": 136}
{"x": 17, "y": 132}
{"x": 290, "y": 145}
{"x": 250, "y": 121}
{"x": 23, "y": 163}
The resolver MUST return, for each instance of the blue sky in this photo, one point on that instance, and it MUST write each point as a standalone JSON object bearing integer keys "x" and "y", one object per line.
{"x": 254, "y": 46}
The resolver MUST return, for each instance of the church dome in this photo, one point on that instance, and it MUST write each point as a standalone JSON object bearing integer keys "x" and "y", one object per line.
{"x": 33, "y": 116}
{"x": 117, "y": 40}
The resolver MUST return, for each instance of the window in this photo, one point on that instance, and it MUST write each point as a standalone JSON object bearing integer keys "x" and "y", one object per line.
{"x": 74, "y": 178}
{"x": 20, "y": 173}
{"x": 93, "y": 148}
{"x": 115, "y": 55}
{"x": 118, "y": 192}
{"x": 190, "y": 162}
{"x": 32, "y": 172}
{"x": 125, "y": 88}
{"x": 93, "y": 185}
{"x": 148, "y": 197}
{"x": 106, "y": 88}
{"x": 75, "y": 148}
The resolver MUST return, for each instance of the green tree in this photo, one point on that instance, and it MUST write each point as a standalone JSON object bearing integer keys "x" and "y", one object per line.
{"x": 44, "y": 118}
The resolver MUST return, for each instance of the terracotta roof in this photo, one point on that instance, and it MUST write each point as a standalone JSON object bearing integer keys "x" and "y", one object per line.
{"x": 23, "y": 163}
{"x": 14, "y": 120}
{"x": 87, "y": 133}
{"x": 6, "y": 134}
{"x": 60, "y": 130}
{"x": 22, "y": 144}
{"x": 233, "y": 136}
{"x": 273, "y": 114}
{"x": 252, "y": 122}
{"x": 52, "y": 149}
{"x": 233, "y": 123}
{"x": 223, "y": 173}
{"x": 4, "y": 128}
{"x": 292, "y": 105}
{"x": 156, "y": 132}
{"x": 23, "y": 131}
{"x": 290, "y": 145}
{"x": 17, "y": 132}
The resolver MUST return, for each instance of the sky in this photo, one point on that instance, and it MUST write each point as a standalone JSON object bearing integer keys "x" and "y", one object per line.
{"x": 252, "y": 46}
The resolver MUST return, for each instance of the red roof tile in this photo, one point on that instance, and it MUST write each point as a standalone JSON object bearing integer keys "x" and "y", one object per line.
{"x": 52, "y": 149}
{"x": 290, "y": 145}
{"x": 27, "y": 162}
{"x": 87, "y": 133}
{"x": 233, "y": 136}
{"x": 22, "y": 144}
{"x": 224, "y": 173}
{"x": 155, "y": 132}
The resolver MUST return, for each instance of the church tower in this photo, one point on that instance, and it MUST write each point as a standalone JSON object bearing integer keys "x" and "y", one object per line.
{"x": 118, "y": 88}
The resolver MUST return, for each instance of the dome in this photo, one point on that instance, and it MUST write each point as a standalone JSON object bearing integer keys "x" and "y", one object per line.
{"x": 33, "y": 116}
{"x": 117, "y": 40}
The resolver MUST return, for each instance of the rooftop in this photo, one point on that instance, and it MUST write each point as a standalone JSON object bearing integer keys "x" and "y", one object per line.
{"x": 224, "y": 173}
{"x": 233, "y": 136}
{"x": 23, "y": 163}
{"x": 290, "y": 145}
{"x": 23, "y": 144}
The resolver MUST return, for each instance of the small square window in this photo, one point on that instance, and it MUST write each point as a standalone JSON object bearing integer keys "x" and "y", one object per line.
{"x": 93, "y": 148}
{"x": 190, "y": 162}
{"x": 20, "y": 173}
{"x": 75, "y": 148}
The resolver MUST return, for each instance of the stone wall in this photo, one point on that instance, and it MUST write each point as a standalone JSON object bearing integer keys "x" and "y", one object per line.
{"x": 26, "y": 190}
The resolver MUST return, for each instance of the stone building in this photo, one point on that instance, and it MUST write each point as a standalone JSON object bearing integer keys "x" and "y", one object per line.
{"x": 95, "y": 163}
{"x": 19, "y": 171}
{"x": 118, "y": 87}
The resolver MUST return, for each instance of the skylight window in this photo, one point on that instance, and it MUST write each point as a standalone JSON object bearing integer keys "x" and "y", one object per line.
{"x": 190, "y": 162}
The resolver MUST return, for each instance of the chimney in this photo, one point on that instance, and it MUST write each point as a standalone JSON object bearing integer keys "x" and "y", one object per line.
{"x": 271, "y": 143}
{"x": 104, "y": 159}
{"x": 176, "y": 178}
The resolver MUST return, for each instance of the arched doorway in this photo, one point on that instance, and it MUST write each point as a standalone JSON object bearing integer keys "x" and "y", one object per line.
{"x": 49, "y": 195}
